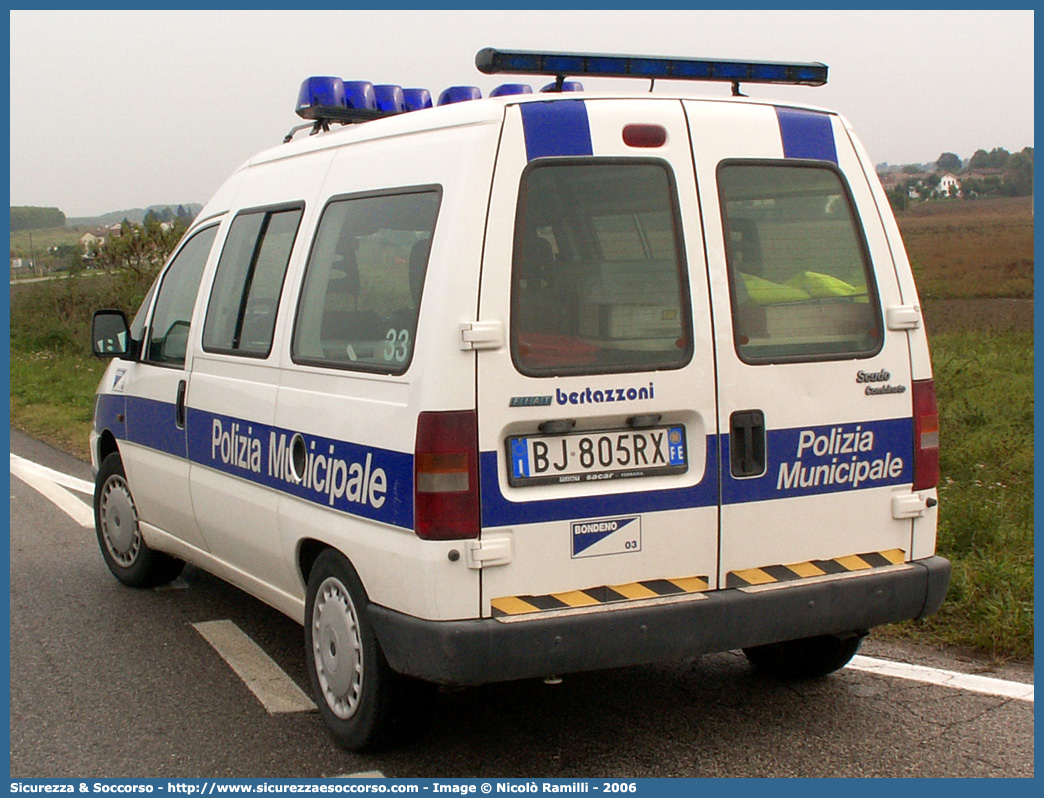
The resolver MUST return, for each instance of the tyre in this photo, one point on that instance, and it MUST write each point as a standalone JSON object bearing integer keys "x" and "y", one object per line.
{"x": 363, "y": 702}
{"x": 805, "y": 658}
{"x": 116, "y": 522}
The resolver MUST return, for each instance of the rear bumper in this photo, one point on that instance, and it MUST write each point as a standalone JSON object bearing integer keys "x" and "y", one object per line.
{"x": 485, "y": 650}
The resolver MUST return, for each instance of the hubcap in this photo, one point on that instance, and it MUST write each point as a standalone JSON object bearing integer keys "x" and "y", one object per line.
{"x": 337, "y": 648}
{"x": 119, "y": 521}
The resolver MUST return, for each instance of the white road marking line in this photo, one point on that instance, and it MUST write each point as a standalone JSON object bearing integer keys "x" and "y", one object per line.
{"x": 986, "y": 685}
{"x": 40, "y": 478}
{"x": 276, "y": 691}
{"x": 57, "y": 477}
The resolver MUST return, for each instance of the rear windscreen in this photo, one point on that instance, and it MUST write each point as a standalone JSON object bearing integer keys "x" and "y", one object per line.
{"x": 799, "y": 273}
{"x": 597, "y": 274}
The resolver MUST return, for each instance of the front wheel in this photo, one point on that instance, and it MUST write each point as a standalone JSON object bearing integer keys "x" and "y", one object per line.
{"x": 806, "y": 658}
{"x": 362, "y": 701}
{"x": 116, "y": 522}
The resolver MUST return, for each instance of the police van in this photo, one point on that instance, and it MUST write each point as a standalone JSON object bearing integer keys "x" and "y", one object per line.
{"x": 518, "y": 386}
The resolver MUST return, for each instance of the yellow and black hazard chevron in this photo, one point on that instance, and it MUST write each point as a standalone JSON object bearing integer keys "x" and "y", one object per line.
{"x": 594, "y": 596}
{"x": 803, "y": 570}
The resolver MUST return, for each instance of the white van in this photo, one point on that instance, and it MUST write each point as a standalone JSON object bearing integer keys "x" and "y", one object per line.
{"x": 534, "y": 384}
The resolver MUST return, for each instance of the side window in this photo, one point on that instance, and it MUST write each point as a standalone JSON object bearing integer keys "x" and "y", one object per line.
{"x": 168, "y": 333}
{"x": 362, "y": 286}
{"x": 598, "y": 277}
{"x": 802, "y": 287}
{"x": 241, "y": 314}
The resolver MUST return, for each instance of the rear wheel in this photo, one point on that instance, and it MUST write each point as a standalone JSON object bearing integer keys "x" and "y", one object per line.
{"x": 363, "y": 702}
{"x": 805, "y": 658}
{"x": 116, "y": 522}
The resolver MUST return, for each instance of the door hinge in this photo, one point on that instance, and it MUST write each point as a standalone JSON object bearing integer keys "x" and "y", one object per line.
{"x": 903, "y": 317}
{"x": 490, "y": 551}
{"x": 911, "y": 505}
{"x": 481, "y": 335}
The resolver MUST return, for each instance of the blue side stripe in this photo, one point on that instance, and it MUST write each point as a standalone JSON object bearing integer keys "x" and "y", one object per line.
{"x": 806, "y": 134}
{"x": 151, "y": 423}
{"x": 360, "y": 480}
{"x": 110, "y": 414}
{"x": 556, "y": 128}
{"x": 803, "y": 461}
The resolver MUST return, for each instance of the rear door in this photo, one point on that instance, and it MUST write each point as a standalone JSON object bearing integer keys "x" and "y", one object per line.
{"x": 814, "y": 390}
{"x": 596, "y": 416}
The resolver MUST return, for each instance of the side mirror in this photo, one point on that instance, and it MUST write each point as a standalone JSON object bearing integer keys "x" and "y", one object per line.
{"x": 110, "y": 334}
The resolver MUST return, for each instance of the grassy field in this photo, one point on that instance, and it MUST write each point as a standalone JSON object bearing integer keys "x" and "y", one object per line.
{"x": 43, "y": 239}
{"x": 981, "y": 248}
{"x": 983, "y": 373}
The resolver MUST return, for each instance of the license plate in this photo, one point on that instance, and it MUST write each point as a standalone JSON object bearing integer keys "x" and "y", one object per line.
{"x": 596, "y": 456}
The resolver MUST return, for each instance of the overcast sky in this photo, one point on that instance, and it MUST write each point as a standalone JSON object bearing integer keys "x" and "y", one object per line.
{"x": 112, "y": 110}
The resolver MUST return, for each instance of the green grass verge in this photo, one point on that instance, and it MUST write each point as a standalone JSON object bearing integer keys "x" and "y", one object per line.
{"x": 984, "y": 383}
{"x": 52, "y": 397}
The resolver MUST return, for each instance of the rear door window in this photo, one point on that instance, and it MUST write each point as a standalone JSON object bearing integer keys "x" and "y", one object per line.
{"x": 800, "y": 276}
{"x": 598, "y": 275}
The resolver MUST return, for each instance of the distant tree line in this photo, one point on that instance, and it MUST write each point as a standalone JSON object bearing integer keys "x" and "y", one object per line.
{"x": 1015, "y": 179}
{"x": 181, "y": 215}
{"x": 29, "y": 218}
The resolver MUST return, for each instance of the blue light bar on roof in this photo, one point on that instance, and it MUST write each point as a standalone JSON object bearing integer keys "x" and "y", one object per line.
{"x": 416, "y": 99}
{"x": 359, "y": 94}
{"x": 567, "y": 85}
{"x": 390, "y": 99}
{"x": 459, "y": 94}
{"x": 491, "y": 61}
{"x": 317, "y": 93}
{"x": 326, "y": 99}
{"x": 505, "y": 89}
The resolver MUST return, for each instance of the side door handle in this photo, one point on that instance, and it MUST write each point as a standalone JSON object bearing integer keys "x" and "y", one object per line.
{"x": 179, "y": 410}
{"x": 747, "y": 443}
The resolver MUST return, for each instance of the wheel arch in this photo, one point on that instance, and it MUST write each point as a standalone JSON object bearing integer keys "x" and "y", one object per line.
{"x": 107, "y": 444}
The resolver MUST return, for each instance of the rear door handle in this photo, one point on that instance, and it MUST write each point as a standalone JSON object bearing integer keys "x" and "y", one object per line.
{"x": 747, "y": 443}
{"x": 179, "y": 410}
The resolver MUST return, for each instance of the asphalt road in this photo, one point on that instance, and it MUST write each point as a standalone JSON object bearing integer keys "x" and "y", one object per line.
{"x": 112, "y": 682}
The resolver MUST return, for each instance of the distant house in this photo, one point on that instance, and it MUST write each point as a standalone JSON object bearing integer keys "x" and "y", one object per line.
{"x": 89, "y": 240}
{"x": 949, "y": 186}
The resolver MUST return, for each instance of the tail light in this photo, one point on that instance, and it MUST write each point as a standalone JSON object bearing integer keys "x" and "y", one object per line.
{"x": 926, "y": 435}
{"x": 445, "y": 476}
